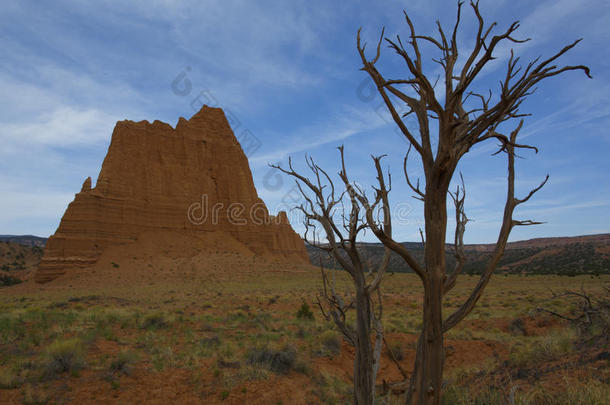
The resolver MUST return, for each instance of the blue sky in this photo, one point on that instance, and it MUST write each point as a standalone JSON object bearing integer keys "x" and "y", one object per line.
{"x": 289, "y": 72}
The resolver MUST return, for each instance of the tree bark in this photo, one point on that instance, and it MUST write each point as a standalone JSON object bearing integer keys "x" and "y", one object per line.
{"x": 430, "y": 368}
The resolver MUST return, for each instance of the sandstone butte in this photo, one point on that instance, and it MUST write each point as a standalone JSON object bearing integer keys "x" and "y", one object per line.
{"x": 150, "y": 178}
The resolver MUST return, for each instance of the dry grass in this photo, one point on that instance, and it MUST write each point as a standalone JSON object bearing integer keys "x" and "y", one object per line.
{"x": 240, "y": 341}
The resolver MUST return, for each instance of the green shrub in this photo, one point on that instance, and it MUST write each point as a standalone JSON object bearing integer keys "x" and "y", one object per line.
{"x": 64, "y": 356}
{"x": 163, "y": 357}
{"x": 586, "y": 392}
{"x": 7, "y": 281}
{"x": 592, "y": 392}
{"x": 155, "y": 320}
{"x": 33, "y": 397}
{"x": 517, "y": 327}
{"x": 330, "y": 344}
{"x": 206, "y": 347}
{"x": 397, "y": 351}
{"x": 278, "y": 361}
{"x": 10, "y": 378}
{"x": 458, "y": 395}
{"x": 305, "y": 312}
{"x": 546, "y": 348}
{"x": 122, "y": 364}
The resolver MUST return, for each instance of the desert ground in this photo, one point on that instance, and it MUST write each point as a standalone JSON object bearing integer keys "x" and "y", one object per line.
{"x": 252, "y": 333}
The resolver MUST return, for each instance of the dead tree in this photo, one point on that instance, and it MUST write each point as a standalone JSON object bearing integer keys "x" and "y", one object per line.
{"x": 460, "y": 124}
{"x": 324, "y": 208}
{"x": 590, "y": 315}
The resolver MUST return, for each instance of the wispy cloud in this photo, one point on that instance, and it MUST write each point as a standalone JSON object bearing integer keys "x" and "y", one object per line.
{"x": 339, "y": 127}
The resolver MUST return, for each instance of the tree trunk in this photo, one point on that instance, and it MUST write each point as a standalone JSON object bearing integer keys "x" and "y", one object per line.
{"x": 364, "y": 385}
{"x": 429, "y": 365}
{"x": 426, "y": 380}
{"x": 433, "y": 356}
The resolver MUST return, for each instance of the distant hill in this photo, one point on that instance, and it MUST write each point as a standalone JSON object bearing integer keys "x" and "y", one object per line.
{"x": 19, "y": 257}
{"x": 589, "y": 254}
{"x": 28, "y": 240}
{"x": 18, "y": 260}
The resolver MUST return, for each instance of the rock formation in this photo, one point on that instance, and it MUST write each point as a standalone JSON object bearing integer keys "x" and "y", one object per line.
{"x": 193, "y": 179}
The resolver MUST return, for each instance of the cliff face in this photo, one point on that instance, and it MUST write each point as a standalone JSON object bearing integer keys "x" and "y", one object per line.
{"x": 192, "y": 179}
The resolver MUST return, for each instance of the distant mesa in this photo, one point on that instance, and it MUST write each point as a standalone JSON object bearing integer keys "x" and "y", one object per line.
{"x": 28, "y": 240}
{"x": 193, "y": 181}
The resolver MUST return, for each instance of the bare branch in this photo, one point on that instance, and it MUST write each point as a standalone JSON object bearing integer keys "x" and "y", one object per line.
{"x": 507, "y": 224}
{"x": 534, "y": 191}
{"x": 460, "y": 228}
{"x": 415, "y": 188}
{"x": 526, "y": 222}
{"x": 379, "y": 232}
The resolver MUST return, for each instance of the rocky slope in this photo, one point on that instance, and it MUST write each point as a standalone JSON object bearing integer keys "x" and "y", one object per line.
{"x": 192, "y": 180}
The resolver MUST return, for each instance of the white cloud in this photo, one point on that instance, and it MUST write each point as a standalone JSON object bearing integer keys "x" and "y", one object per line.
{"x": 65, "y": 126}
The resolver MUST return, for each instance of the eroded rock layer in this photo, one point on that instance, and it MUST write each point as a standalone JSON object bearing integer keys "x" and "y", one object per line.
{"x": 194, "y": 178}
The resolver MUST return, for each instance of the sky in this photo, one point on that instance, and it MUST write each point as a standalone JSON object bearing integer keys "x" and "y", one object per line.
{"x": 288, "y": 73}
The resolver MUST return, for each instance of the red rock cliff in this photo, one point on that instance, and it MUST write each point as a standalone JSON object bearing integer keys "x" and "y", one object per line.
{"x": 194, "y": 178}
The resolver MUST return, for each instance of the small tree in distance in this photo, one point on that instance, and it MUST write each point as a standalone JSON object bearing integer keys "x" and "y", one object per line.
{"x": 464, "y": 118}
